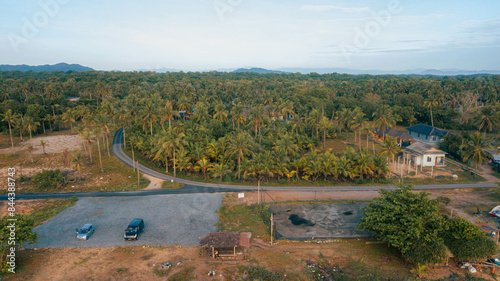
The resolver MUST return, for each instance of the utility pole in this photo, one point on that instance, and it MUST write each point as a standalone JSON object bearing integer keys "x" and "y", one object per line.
{"x": 272, "y": 228}
{"x": 138, "y": 175}
{"x": 258, "y": 191}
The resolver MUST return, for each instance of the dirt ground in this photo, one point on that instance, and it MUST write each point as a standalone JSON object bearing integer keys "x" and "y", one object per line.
{"x": 26, "y": 207}
{"x": 54, "y": 144}
{"x": 140, "y": 263}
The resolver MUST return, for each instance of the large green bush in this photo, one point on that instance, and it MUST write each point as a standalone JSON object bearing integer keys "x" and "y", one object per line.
{"x": 409, "y": 222}
{"x": 467, "y": 242}
{"x": 47, "y": 179}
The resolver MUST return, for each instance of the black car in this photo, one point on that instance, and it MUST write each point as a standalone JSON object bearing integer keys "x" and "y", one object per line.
{"x": 134, "y": 229}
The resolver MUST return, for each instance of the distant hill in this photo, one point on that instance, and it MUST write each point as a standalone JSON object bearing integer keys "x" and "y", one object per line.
{"x": 39, "y": 68}
{"x": 417, "y": 71}
{"x": 258, "y": 70}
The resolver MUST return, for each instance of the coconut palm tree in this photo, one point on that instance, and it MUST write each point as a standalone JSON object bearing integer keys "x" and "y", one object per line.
{"x": 328, "y": 164}
{"x": 220, "y": 112}
{"x": 363, "y": 163}
{"x": 257, "y": 118}
{"x": 488, "y": 118}
{"x": 69, "y": 117}
{"x": 238, "y": 115}
{"x": 313, "y": 120}
{"x": 175, "y": 140}
{"x": 184, "y": 105}
{"x": 385, "y": 118}
{"x": 345, "y": 168}
{"x": 203, "y": 165}
{"x": 430, "y": 104}
{"x": 11, "y": 119}
{"x": 219, "y": 170}
{"x": 241, "y": 145}
{"x": 149, "y": 116}
{"x": 476, "y": 149}
{"x": 183, "y": 160}
{"x": 390, "y": 147}
{"x": 76, "y": 161}
{"x": 168, "y": 113}
{"x": 31, "y": 124}
{"x": 324, "y": 125}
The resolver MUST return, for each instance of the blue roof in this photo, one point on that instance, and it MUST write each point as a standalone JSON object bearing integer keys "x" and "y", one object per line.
{"x": 427, "y": 130}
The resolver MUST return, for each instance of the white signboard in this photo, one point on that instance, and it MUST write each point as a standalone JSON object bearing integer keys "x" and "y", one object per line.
{"x": 241, "y": 195}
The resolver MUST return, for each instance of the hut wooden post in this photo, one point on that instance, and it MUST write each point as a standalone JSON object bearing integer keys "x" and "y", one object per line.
{"x": 213, "y": 253}
{"x": 272, "y": 227}
{"x": 234, "y": 253}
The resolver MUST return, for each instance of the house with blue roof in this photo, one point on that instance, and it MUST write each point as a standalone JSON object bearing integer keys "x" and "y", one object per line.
{"x": 426, "y": 133}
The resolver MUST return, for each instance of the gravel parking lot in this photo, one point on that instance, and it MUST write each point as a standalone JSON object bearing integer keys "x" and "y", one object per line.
{"x": 169, "y": 220}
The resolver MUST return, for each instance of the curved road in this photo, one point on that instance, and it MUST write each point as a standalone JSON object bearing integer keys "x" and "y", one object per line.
{"x": 202, "y": 187}
{"x": 118, "y": 151}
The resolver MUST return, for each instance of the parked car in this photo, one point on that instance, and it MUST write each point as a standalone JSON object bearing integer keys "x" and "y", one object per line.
{"x": 85, "y": 232}
{"x": 134, "y": 229}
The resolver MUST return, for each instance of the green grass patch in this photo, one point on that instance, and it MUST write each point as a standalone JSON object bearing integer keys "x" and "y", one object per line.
{"x": 121, "y": 270}
{"x": 171, "y": 185}
{"x": 161, "y": 272}
{"x": 248, "y": 218}
{"x": 44, "y": 214}
{"x": 187, "y": 274}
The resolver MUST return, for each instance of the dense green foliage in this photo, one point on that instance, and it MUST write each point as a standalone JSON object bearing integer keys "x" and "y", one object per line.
{"x": 409, "y": 222}
{"x": 48, "y": 179}
{"x": 467, "y": 242}
{"x": 246, "y": 126}
{"x": 23, "y": 234}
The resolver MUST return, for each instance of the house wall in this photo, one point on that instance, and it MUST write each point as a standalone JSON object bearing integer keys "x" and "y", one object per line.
{"x": 424, "y": 138}
{"x": 422, "y": 159}
{"x": 432, "y": 162}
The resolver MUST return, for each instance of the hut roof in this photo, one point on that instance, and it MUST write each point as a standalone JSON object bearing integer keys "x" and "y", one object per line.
{"x": 225, "y": 239}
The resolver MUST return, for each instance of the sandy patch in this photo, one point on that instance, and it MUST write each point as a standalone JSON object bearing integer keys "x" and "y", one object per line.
{"x": 155, "y": 183}
{"x": 54, "y": 144}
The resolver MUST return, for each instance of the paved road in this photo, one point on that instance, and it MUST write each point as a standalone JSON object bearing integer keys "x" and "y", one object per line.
{"x": 168, "y": 219}
{"x": 192, "y": 187}
{"x": 118, "y": 151}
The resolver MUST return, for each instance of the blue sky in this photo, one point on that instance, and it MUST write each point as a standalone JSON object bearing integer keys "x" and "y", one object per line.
{"x": 215, "y": 34}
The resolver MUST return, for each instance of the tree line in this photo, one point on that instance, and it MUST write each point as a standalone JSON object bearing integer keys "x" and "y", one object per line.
{"x": 241, "y": 126}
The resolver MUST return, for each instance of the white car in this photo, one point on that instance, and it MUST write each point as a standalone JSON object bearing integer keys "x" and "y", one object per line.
{"x": 85, "y": 232}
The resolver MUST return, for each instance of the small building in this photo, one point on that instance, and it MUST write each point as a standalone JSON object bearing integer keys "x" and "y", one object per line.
{"x": 403, "y": 139}
{"x": 426, "y": 133}
{"x": 73, "y": 99}
{"x": 425, "y": 154}
{"x": 225, "y": 244}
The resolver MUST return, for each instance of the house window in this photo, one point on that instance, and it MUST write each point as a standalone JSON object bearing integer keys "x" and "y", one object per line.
{"x": 426, "y": 137}
{"x": 434, "y": 138}
{"x": 418, "y": 135}
{"x": 429, "y": 159}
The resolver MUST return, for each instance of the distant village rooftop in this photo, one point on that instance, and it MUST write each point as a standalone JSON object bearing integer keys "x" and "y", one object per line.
{"x": 428, "y": 130}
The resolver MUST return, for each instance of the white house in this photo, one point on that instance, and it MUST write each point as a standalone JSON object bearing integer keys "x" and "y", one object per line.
{"x": 427, "y": 133}
{"x": 424, "y": 154}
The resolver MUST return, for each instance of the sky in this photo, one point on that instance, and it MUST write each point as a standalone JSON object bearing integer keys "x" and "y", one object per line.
{"x": 197, "y": 35}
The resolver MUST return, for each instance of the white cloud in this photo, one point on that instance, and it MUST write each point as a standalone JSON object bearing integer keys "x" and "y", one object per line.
{"x": 318, "y": 8}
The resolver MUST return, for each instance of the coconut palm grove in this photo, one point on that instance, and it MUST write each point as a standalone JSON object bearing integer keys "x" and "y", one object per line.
{"x": 248, "y": 127}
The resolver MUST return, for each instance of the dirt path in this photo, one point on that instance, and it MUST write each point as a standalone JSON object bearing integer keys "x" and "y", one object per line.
{"x": 155, "y": 183}
{"x": 488, "y": 173}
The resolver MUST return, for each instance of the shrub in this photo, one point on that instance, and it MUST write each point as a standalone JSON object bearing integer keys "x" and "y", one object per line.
{"x": 467, "y": 242}
{"x": 49, "y": 179}
{"x": 445, "y": 200}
